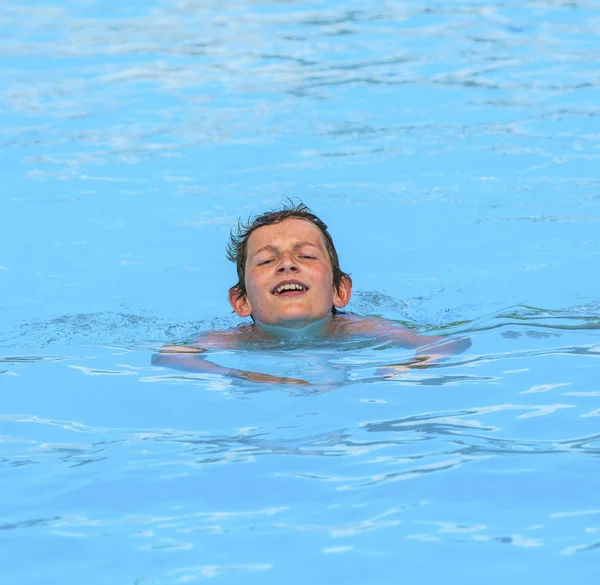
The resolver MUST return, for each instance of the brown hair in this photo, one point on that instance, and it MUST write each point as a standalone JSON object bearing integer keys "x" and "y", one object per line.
{"x": 237, "y": 248}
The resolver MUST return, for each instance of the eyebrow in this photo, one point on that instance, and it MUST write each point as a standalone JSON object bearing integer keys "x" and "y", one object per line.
{"x": 270, "y": 247}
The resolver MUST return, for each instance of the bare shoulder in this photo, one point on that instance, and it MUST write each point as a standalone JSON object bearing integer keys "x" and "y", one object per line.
{"x": 372, "y": 326}
{"x": 379, "y": 328}
{"x": 226, "y": 339}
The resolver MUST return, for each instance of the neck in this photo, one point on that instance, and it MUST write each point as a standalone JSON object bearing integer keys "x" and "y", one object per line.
{"x": 299, "y": 329}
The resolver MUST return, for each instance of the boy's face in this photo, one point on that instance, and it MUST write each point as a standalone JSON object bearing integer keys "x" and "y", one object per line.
{"x": 289, "y": 279}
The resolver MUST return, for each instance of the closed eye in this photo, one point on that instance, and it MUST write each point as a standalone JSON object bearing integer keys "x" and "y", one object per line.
{"x": 309, "y": 257}
{"x": 265, "y": 262}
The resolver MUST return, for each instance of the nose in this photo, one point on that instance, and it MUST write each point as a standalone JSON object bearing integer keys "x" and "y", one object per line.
{"x": 287, "y": 264}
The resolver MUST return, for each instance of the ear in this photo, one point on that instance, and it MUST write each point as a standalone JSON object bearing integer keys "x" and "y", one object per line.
{"x": 239, "y": 302}
{"x": 341, "y": 296}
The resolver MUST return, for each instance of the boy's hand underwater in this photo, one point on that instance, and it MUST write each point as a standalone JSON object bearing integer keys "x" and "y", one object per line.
{"x": 176, "y": 351}
{"x": 420, "y": 362}
{"x": 258, "y": 377}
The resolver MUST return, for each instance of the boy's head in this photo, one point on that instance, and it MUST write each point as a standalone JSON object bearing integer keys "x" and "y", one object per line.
{"x": 288, "y": 268}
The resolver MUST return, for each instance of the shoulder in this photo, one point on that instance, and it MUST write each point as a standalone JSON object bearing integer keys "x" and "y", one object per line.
{"x": 372, "y": 326}
{"x": 378, "y": 328}
{"x": 226, "y": 339}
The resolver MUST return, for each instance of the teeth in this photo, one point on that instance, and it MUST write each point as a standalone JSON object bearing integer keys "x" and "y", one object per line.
{"x": 285, "y": 287}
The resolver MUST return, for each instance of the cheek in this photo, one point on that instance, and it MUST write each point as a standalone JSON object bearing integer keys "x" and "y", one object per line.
{"x": 255, "y": 286}
{"x": 325, "y": 278}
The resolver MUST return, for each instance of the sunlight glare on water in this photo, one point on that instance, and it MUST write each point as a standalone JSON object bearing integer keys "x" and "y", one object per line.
{"x": 451, "y": 147}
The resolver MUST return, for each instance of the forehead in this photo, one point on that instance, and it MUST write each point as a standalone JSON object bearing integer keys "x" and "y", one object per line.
{"x": 285, "y": 232}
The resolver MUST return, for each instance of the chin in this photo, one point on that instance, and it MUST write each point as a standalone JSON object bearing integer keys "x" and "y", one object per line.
{"x": 301, "y": 319}
{"x": 292, "y": 318}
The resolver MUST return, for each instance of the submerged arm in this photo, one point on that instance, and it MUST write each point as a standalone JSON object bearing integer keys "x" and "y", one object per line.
{"x": 434, "y": 349}
{"x": 189, "y": 358}
{"x": 430, "y": 349}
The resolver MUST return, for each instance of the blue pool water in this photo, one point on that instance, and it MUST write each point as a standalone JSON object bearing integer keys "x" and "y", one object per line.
{"x": 453, "y": 148}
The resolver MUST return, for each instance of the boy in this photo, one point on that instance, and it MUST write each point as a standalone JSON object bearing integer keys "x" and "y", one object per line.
{"x": 290, "y": 284}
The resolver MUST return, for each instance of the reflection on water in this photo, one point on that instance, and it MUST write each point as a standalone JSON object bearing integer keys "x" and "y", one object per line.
{"x": 197, "y": 73}
{"x": 331, "y": 478}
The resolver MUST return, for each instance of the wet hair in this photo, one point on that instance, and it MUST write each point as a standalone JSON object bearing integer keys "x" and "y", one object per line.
{"x": 237, "y": 248}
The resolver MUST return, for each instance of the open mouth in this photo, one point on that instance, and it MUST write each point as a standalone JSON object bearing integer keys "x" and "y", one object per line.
{"x": 289, "y": 288}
